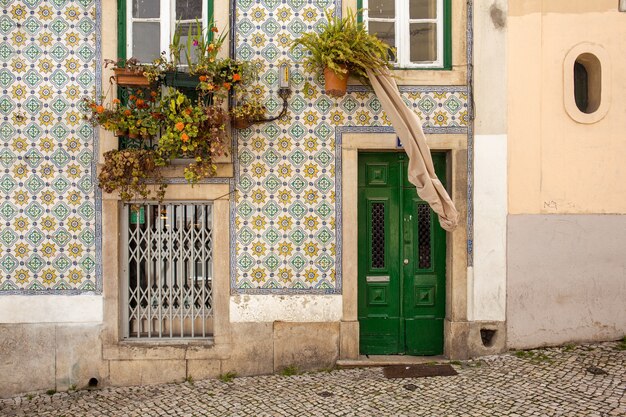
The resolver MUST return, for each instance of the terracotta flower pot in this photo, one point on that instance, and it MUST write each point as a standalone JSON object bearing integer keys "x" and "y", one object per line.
{"x": 127, "y": 78}
{"x": 336, "y": 84}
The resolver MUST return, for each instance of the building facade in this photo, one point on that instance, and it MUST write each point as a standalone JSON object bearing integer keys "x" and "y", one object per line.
{"x": 309, "y": 246}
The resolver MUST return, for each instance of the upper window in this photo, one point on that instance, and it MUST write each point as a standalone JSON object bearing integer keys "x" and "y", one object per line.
{"x": 416, "y": 28}
{"x": 149, "y": 20}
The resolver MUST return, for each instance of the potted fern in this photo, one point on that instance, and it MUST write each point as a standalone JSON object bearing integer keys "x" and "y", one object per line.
{"x": 344, "y": 48}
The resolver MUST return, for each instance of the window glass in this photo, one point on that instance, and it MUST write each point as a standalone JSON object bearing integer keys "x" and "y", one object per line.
{"x": 188, "y": 9}
{"x": 581, "y": 87}
{"x": 146, "y": 9}
{"x": 423, "y": 42}
{"x": 423, "y": 9}
{"x": 381, "y": 9}
{"x": 186, "y": 29}
{"x": 146, "y": 37}
{"x": 384, "y": 30}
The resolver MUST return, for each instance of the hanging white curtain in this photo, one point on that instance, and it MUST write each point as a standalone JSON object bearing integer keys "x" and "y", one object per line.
{"x": 408, "y": 127}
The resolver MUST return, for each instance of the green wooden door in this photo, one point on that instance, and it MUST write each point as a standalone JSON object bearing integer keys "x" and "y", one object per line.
{"x": 401, "y": 260}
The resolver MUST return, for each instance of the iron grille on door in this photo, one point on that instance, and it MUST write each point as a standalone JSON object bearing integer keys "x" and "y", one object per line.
{"x": 168, "y": 288}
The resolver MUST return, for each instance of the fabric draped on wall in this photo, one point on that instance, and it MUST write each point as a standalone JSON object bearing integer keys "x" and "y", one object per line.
{"x": 408, "y": 127}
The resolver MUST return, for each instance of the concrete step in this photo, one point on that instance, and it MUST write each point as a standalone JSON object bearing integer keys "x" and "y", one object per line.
{"x": 387, "y": 360}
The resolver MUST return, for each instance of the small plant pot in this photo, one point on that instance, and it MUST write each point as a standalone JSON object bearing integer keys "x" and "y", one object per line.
{"x": 336, "y": 84}
{"x": 134, "y": 135}
{"x": 127, "y": 78}
{"x": 121, "y": 132}
{"x": 242, "y": 122}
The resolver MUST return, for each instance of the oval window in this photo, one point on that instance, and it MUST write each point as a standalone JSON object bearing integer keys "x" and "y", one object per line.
{"x": 587, "y": 83}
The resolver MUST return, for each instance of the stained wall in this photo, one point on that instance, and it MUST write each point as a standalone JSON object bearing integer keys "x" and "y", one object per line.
{"x": 566, "y": 270}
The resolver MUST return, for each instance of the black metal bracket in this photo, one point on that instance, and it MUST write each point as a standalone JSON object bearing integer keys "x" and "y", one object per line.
{"x": 283, "y": 93}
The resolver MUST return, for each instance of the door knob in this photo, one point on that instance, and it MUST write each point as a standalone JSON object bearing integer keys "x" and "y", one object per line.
{"x": 406, "y": 261}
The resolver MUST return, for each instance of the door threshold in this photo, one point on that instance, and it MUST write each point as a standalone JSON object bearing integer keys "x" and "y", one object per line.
{"x": 387, "y": 360}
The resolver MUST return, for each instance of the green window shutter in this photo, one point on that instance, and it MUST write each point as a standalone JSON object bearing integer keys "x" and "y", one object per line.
{"x": 447, "y": 34}
{"x": 121, "y": 29}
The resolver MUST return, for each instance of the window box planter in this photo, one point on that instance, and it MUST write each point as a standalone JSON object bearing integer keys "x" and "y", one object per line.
{"x": 183, "y": 80}
{"x": 128, "y": 78}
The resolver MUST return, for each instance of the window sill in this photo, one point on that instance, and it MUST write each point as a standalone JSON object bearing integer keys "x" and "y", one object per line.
{"x": 165, "y": 350}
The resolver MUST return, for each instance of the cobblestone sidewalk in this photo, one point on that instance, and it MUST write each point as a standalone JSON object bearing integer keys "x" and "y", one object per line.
{"x": 586, "y": 380}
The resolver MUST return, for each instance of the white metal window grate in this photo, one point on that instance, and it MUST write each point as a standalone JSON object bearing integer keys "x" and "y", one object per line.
{"x": 168, "y": 270}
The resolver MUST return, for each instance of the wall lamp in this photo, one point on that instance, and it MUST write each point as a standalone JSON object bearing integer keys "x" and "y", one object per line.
{"x": 284, "y": 91}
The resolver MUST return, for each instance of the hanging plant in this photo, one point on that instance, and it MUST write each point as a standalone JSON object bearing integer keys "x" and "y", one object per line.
{"x": 139, "y": 118}
{"x": 131, "y": 172}
{"x": 247, "y": 112}
{"x": 196, "y": 132}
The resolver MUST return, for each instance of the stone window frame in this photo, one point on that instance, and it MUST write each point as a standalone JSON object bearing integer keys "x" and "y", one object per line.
{"x": 444, "y": 35}
{"x": 569, "y": 101}
{"x": 217, "y": 190}
{"x": 167, "y": 22}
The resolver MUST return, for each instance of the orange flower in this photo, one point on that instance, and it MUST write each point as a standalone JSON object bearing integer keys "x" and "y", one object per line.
{"x": 210, "y": 48}
{"x": 140, "y": 102}
{"x": 210, "y": 87}
{"x": 153, "y": 93}
{"x": 179, "y": 126}
{"x": 236, "y": 77}
{"x": 188, "y": 111}
{"x": 99, "y": 109}
{"x": 203, "y": 78}
{"x": 116, "y": 101}
{"x": 227, "y": 86}
{"x": 184, "y": 137}
{"x": 214, "y": 29}
{"x": 132, "y": 97}
{"x": 127, "y": 112}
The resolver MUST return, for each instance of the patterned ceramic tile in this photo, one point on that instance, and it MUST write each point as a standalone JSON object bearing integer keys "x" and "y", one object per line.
{"x": 47, "y": 198}
{"x": 285, "y": 213}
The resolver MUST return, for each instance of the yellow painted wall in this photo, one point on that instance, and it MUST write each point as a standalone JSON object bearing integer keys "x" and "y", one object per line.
{"x": 557, "y": 165}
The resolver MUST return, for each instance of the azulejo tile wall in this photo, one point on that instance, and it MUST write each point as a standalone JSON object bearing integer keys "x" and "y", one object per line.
{"x": 286, "y": 204}
{"x": 47, "y": 197}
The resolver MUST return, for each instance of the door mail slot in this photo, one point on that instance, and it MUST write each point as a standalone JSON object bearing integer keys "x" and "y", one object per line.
{"x": 384, "y": 278}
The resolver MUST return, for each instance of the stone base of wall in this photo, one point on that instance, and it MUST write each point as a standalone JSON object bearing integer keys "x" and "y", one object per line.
{"x": 465, "y": 340}
{"x": 566, "y": 279}
{"x": 41, "y": 357}
{"x": 253, "y": 349}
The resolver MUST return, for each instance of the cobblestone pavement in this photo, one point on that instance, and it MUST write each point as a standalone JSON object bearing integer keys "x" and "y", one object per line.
{"x": 586, "y": 380}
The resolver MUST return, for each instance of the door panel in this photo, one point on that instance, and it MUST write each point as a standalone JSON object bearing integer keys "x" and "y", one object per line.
{"x": 401, "y": 261}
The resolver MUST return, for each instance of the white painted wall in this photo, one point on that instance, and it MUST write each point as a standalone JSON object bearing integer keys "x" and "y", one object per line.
{"x": 487, "y": 279}
{"x": 488, "y": 282}
{"x": 50, "y": 309}
{"x": 298, "y": 308}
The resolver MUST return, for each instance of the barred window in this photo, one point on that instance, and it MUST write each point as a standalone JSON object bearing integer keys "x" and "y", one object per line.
{"x": 168, "y": 270}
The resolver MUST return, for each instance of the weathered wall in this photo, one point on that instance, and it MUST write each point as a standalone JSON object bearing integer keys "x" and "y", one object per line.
{"x": 487, "y": 277}
{"x": 558, "y": 165}
{"x": 566, "y": 264}
{"x": 38, "y": 357}
{"x": 566, "y": 279}
{"x": 295, "y": 308}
